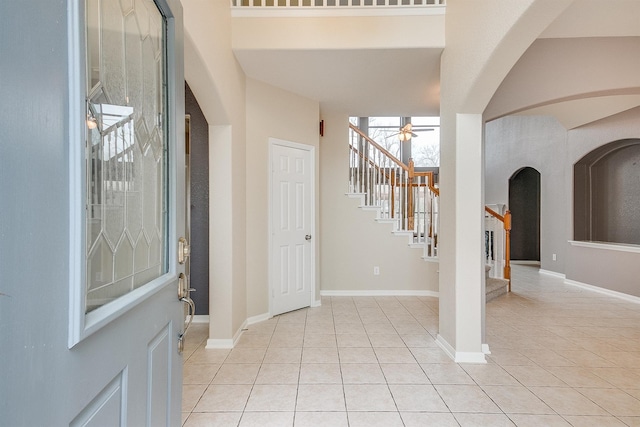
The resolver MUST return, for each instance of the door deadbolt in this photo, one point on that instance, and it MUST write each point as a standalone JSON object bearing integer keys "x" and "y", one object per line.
{"x": 184, "y": 250}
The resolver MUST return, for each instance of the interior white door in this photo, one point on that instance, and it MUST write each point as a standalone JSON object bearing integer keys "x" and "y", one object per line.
{"x": 89, "y": 295}
{"x": 292, "y": 226}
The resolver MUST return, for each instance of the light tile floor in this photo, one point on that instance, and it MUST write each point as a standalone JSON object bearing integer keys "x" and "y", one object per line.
{"x": 561, "y": 356}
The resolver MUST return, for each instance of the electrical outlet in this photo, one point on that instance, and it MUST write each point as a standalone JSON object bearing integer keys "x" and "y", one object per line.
{"x": 376, "y": 271}
{"x": 553, "y": 257}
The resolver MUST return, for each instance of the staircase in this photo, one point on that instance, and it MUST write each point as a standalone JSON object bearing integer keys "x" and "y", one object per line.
{"x": 494, "y": 286}
{"x": 409, "y": 201}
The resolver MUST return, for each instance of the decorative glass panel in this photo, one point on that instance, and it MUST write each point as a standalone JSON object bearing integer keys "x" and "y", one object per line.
{"x": 126, "y": 148}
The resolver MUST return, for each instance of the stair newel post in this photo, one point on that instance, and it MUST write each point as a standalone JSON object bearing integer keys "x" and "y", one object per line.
{"x": 410, "y": 217}
{"x": 507, "y": 247}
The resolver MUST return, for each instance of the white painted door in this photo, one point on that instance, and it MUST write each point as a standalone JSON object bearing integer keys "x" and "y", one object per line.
{"x": 92, "y": 207}
{"x": 292, "y": 226}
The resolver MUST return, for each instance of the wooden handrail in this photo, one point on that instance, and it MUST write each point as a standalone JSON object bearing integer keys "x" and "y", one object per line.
{"x": 371, "y": 162}
{"x": 379, "y": 147}
{"x": 494, "y": 214}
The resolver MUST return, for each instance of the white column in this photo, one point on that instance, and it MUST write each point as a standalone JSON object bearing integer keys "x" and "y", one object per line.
{"x": 220, "y": 238}
{"x": 462, "y": 241}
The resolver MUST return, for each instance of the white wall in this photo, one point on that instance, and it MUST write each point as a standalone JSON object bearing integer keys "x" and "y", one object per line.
{"x": 351, "y": 241}
{"x": 271, "y": 113}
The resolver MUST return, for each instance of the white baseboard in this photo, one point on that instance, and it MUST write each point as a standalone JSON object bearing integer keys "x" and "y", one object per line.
{"x": 485, "y": 349}
{"x": 446, "y": 347}
{"x": 461, "y": 356}
{"x": 551, "y": 273}
{"x": 226, "y": 343}
{"x": 609, "y": 292}
{"x": 218, "y": 343}
{"x": 201, "y": 318}
{"x": 470, "y": 357}
{"x": 259, "y": 318}
{"x": 379, "y": 293}
{"x": 317, "y": 303}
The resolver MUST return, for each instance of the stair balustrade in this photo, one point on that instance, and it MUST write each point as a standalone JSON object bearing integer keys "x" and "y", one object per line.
{"x": 498, "y": 243}
{"x": 395, "y": 189}
{"x": 411, "y": 200}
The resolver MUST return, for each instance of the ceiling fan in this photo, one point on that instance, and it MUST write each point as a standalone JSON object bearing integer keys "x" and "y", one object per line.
{"x": 407, "y": 131}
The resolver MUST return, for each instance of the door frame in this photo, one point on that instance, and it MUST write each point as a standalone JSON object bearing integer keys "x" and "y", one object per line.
{"x": 312, "y": 152}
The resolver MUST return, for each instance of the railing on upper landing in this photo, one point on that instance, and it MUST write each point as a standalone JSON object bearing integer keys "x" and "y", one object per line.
{"x": 334, "y": 3}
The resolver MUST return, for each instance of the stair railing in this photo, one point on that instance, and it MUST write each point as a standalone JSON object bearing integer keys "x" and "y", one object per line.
{"x": 498, "y": 244}
{"x": 411, "y": 198}
{"x": 396, "y": 189}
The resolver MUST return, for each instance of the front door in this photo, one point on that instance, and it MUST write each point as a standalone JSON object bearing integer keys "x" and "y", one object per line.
{"x": 292, "y": 226}
{"x": 92, "y": 209}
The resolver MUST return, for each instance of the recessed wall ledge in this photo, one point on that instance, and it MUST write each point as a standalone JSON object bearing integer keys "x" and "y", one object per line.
{"x": 610, "y": 246}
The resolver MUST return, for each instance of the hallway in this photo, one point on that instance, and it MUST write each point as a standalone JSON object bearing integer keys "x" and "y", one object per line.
{"x": 561, "y": 356}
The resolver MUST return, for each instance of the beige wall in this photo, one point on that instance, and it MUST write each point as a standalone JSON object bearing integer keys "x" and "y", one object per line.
{"x": 271, "y": 113}
{"x": 219, "y": 86}
{"x": 351, "y": 241}
{"x": 353, "y": 32}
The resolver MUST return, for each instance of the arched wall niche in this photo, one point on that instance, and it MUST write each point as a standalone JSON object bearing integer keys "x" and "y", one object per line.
{"x": 606, "y": 192}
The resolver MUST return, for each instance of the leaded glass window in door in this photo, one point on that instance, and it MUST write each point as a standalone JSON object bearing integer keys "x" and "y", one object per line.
{"x": 126, "y": 191}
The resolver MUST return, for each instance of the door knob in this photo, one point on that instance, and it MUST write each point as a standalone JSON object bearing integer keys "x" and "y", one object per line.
{"x": 307, "y": 237}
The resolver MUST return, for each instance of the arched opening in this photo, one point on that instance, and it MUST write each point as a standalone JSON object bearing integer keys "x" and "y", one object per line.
{"x": 524, "y": 204}
{"x": 606, "y": 198}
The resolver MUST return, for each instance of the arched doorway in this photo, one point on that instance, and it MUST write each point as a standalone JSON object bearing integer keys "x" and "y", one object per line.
{"x": 524, "y": 204}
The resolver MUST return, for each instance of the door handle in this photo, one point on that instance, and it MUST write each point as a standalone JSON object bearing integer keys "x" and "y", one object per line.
{"x": 191, "y": 313}
{"x": 307, "y": 237}
{"x": 184, "y": 295}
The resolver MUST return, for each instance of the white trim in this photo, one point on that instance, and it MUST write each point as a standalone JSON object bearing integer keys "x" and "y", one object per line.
{"x": 257, "y": 319}
{"x": 431, "y": 259}
{"x": 337, "y": 11}
{"x": 609, "y": 292}
{"x": 312, "y": 152}
{"x": 485, "y": 349}
{"x": 461, "y": 356}
{"x": 607, "y": 246}
{"x": 470, "y": 357}
{"x": 525, "y": 262}
{"x": 218, "y": 343}
{"x": 552, "y": 273}
{"x": 201, "y": 318}
{"x": 317, "y": 303}
{"x": 378, "y": 293}
{"x": 446, "y": 347}
{"x": 227, "y": 343}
